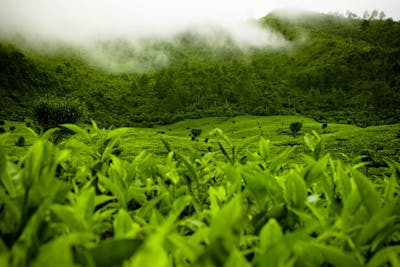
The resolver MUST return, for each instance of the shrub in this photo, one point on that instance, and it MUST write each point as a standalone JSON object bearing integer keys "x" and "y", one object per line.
{"x": 2, "y": 130}
{"x": 51, "y": 111}
{"x": 195, "y": 133}
{"x": 2, "y": 122}
{"x": 295, "y": 127}
{"x": 12, "y": 128}
{"x": 20, "y": 141}
{"x": 324, "y": 126}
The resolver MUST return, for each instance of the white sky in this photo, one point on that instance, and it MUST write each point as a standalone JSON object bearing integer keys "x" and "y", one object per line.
{"x": 77, "y": 20}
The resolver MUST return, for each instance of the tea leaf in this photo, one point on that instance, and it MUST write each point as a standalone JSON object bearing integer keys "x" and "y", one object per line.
{"x": 296, "y": 191}
{"x": 264, "y": 148}
{"x": 270, "y": 234}
{"x": 368, "y": 193}
{"x": 114, "y": 252}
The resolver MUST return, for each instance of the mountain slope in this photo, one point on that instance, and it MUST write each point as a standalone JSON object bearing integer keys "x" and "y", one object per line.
{"x": 335, "y": 69}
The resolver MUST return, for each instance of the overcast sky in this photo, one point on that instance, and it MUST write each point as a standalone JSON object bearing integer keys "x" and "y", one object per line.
{"x": 80, "y": 18}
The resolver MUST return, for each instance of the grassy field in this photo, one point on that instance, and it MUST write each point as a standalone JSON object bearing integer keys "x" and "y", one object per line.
{"x": 376, "y": 143}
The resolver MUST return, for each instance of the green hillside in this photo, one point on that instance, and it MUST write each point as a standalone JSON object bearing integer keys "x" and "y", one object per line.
{"x": 335, "y": 69}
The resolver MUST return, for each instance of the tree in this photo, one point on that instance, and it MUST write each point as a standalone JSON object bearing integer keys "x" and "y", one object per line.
{"x": 374, "y": 14}
{"x": 382, "y": 15}
{"x": 350, "y": 15}
{"x": 366, "y": 15}
{"x": 295, "y": 127}
{"x": 195, "y": 133}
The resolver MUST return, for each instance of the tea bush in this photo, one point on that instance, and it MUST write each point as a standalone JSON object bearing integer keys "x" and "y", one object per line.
{"x": 20, "y": 141}
{"x": 195, "y": 133}
{"x": 295, "y": 127}
{"x": 77, "y": 203}
{"x": 51, "y": 111}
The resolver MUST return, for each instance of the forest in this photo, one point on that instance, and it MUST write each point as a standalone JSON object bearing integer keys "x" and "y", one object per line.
{"x": 334, "y": 69}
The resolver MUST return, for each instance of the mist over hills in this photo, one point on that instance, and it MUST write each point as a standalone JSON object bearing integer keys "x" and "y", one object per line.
{"x": 328, "y": 67}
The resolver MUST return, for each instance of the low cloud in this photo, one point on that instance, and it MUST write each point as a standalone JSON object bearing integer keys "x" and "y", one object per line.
{"x": 89, "y": 24}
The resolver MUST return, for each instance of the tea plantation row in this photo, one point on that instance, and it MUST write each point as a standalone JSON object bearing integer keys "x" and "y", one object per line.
{"x": 78, "y": 203}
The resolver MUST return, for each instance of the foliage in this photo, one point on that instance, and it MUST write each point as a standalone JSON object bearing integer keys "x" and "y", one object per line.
{"x": 295, "y": 127}
{"x": 333, "y": 69}
{"x": 78, "y": 204}
{"x": 50, "y": 111}
{"x": 195, "y": 133}
{"x": 20, "y": 141}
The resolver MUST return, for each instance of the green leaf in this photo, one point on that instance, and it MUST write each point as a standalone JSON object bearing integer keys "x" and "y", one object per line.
{"x": 296, "y": 191}
{"x": 234, "y": 176}
{"x": 34, "y": 162}
{"x": 353, "y": 201}
{"x": 223, "y": 150}
{"x": 70, "y": 217}
{"x": 94, "y": 126}
{"x": 315, "y": 171}
{"x": 166, "y": 144}
{"x": 114, "y": 252}
{"x": 85, "y": 203}
{"x": 75, "y": 128}
{"x": 58, "y": 252}
{"x": 270, "y": 234}
{"x": 257, "y": 186}
{"x": 49, "y": 133}
{"x": 116, "y": 187}
{"x": 236, "y": 259}
{"x": 385, "y": 256}
{"x": 6, "y": 180}
{"x": 233, "y": 210}
{"x": 102, "y": 199}
{"x": 263, "y": 148}
{"x": 315, "y": 144}
{"x": 5, "y": 259}
{"x": 336, "y": 257}
{"x": 178, "y": 206}
{"x": 280, "y": 160}
{"x": 381, "y": 221}
{"x": 369, "y": 195}
{"x": 311, "y": 141}
{"x": 394, "y": 167}
{"x": 187, "y": 250}
{"x": 152, "y": 252}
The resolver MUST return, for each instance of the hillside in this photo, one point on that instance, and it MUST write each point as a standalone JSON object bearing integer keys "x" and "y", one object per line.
{"x": 335, "y": 69}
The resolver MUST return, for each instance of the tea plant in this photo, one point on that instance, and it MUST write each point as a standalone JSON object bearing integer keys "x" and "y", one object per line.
{"x": 20, "y": 141}
{"x": 78, "y": 203}
{"x": 295, "y": 128}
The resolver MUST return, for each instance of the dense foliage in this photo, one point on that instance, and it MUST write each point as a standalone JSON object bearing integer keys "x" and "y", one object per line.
{"x": 51, "y": 111}
{"x": 78, "y": 204}
{"x": 333, "y": 69}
